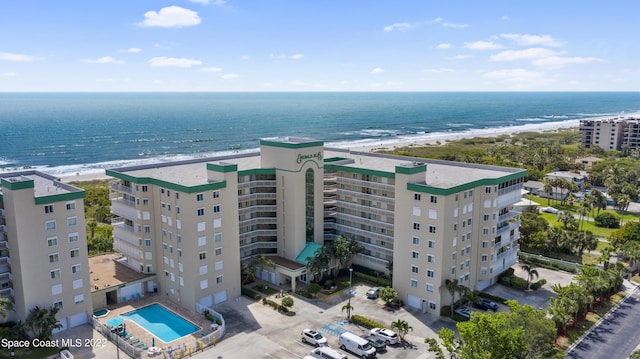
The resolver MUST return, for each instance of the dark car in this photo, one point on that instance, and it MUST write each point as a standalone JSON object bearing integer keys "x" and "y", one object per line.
{"x": 485, "y": 304}
{"x": 377, "y": 343}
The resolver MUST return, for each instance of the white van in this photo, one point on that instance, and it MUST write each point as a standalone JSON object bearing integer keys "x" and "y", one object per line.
{"x": 326, "y": 353}
{"x": 356, "y": 345}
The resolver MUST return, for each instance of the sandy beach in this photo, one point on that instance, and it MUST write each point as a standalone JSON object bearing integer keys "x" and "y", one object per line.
{"x": 372, "y": 146}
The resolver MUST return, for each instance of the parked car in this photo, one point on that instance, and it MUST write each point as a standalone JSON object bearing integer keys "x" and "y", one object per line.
{"x": 550, "y": 210}
{"x": 463, "y": 312}
{"x": 313, "y": 337}
{"x": 326, "y": 353}
{"x": 485, "y": 304}
{"x": 388, "y": 336}
{"x": 377, "y": 343}
{"x": 374, "y": 292}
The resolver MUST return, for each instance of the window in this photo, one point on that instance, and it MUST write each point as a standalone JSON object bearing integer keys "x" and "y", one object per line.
{"x": 430, "y": 273}
{"x": 484, "y": 258}
{"x": 219, "y": 251}
{"x": 73, "y": 237}
{"x": 416, "y": 241}
{"x": 58, "y": 304}
{"x": 204, "y": 269}
{"x": 453, "y": 256}
{"x": 77, "y": 284}
{"x": 487, "y": 189}
{"x": 145, "y": 188}
{"x": 48, "y": 208}
{"x": 168, "y": 193}
{"x": 432, "y": 244}
{"x": 55, "y": 274}
{"x": 216, "y": 208}
{"x": 202, "y": 255}
{"x": 455, "y": 226}
{"x": 216, "y": 194}
{"x": 145, "y": 201}
{"x": 453, "y": 270}
{"x": 202, "y": 241}
{"x": 72, "y": 221}
{"x": 217, "y": 223}
{"x": 414, "y": 269}
{"x": 204, "y": 284}
{"x": 200, "y": 212}
{"x": 147, "y": 242}
{"x": 431, "y": 259}
{"x": 53, "y": 257}
{"x": 416, "y": 226}
{"x": 219, "y": 279}
{"x": 433, "y": 199}
{"x": 485, "y": 231}
{"x": 485, "y": 244}
{"x": 429, "y": 288}
{"x": 485, "y": 217}
{"x": 415, "y": 254}
{"x": 467, "y": 263}
{"x": 200, "y": 197}
{"x": 71, "y": 206}
{"x": 414, "y": 283}
{"x": 177, "y": 210}
{"x": 78, "y": 299}
{"x": 52, "y": 241}
{"x": 50, "y": 225}
{"x": 469, "y": 222}
{"x": 483, "y": 271}
{"x": 75, "y": 268}
{"x": 217, "y": 237}
{"x": 161, "y": 190}
{"x": 219, "y": 265}
{"x": 471, "y": 193}
{"x": 416, "y": 196}
{"x": 74, "y": 253}
{"x": 432, "y": 229}
{"x": 432, "y": 305}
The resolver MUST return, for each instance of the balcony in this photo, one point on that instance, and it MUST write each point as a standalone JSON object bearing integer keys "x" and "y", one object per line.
{"x": 116, "y": 186}
{"x": 368, "y": 209}
{"x": 367, "y": 184}
{"x": 510, "y": 214}
{"x": 361, "y": 232}
{"x": 365, "y": 196}
{"x": 257, "y": 245}
{"x": 377, "y": 261}
{"x": 256, "y": 184}
{"x": 7, "y": 292}
{"x": 3, "y": 228}
{"x": 6, "y": 275}
{"x": 256, "y": 196}
{"x": 255, "y": 209}
{"x": 2, "y": 212}
{"x": 259, "y": 233}
{"x": 123, "y": 209}
{"x": 366, "y": 221}
{"x": 258, "y": 220}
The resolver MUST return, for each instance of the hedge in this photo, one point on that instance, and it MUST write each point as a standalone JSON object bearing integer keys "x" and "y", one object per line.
{"x": 365, "y": 322}
{"x": 379, "y": 281}
{"x": 492, "y": 297}
{"x": 538, "y": 284}
{"x": 518, "y": 283}
{"x": 248, "y": 292}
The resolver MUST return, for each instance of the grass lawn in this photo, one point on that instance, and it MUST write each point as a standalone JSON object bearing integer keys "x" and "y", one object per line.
{"x": 36, "y": 353}
{"x": 636, "y": 279}
{"x": 590, "y": 259}
{"x": 266, "y": 289}
{"x": 602, "y": 245}
{"x": 586, "y": 225}
{"x": 574, "y": 334}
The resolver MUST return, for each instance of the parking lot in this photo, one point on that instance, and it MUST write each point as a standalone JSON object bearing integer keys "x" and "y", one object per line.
{"x": 257, "y": 331}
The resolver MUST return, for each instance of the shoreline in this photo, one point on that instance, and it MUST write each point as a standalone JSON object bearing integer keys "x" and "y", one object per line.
{"x": 427, "y": 139}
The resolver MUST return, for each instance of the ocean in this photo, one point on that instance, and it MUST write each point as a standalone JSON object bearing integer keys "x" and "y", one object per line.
{"x": 66, "y": 133}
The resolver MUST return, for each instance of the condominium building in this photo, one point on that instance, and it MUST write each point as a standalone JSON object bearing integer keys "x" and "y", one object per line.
{"x": 613, "y": 133}
{"x": 194, "y": 222}
{"x": 43, "y": 247}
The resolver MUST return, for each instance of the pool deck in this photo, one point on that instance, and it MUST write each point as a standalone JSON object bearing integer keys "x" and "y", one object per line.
{"x": 146, "y": 337}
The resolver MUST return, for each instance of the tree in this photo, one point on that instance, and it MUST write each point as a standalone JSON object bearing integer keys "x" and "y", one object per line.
{"x": 561, "y": 310}
{"x": 565, "y": 217}
{"x": 5, "y": 305}
{"x": 287, "y": 302}
{"x": 41, "y": 322}
{"x": 92, "y": 228}
{"x": 548, "y": 189}
{"x": 631, "y": 251}
{"x": 598, "y": 200}
{"x": 348, "y": 307}
{"x": 607, "y": 220}
{"x": 261, "y": 262}
{"x": 401, "y": 327}
{"x": 452, "y": 286}
{"x": 531, "y": 271}
{"x": 531, "y": 223}
{"x": 314, "y": 288}
{"x": 523, "y": 332}
{"x": 345, "y": 250}
{"x": 389, "y": 295}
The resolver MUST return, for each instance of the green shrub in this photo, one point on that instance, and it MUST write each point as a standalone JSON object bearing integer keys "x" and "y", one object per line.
{"x": 445, "y": 310}
{"x": 248, "y": 292}
{"x": 507, "y": 273}
{"x": 377, "y": 281}
{"x": 538, "y": 284}
{"x": 314, "y": 288}
{"x": 518, "y": 283}
{"x": 365, "y": 322}
{"x": 607, "y": 220}
{"x": 305, "y": 293}
{"x": 506, "y": 281}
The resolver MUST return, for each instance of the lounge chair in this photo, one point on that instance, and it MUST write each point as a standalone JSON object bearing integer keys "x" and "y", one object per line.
{"x": 138, "y": 296}
{"x": 134, "y": 341}
{"x": 124, "y": 300}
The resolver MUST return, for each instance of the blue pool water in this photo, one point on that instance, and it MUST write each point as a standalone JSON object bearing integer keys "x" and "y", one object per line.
{"x": 161, "y": 322}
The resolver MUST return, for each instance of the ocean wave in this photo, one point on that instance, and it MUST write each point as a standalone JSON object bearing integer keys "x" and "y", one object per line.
{"x": 534, "y": 119}
{"x": 556, "y": 116}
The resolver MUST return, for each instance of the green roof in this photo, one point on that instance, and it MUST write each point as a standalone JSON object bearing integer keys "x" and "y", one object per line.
{"x": 308, "y": 251}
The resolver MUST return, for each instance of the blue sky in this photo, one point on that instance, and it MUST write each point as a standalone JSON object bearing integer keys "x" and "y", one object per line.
{"x": 312, "y": 45}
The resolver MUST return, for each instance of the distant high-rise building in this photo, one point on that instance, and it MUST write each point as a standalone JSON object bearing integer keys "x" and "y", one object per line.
{"x": 43, "y": 247}
{"x": 613, "y": 133}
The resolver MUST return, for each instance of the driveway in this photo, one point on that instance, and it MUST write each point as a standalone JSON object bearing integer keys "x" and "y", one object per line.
{"x": 538, "y": 299}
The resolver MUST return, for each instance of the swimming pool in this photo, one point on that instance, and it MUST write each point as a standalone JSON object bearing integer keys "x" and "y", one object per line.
{"x": 161, "y": 322}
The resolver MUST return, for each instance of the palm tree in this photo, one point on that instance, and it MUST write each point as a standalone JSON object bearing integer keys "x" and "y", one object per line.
{"x": 561, "y": 310}
{"x": 599, "y": 201}
{"x": 531, "y": 272}
{"x": 345, "y": 249}
{"x": 5, "y": 305}
{"x": 565, "y": 217}
{"x": 402, "y": 327}
{"x": 631, "y": 251}
{"x": 548, "y": 189}
{"x": 348, "y": 307}
{"x": 452, "y": 287}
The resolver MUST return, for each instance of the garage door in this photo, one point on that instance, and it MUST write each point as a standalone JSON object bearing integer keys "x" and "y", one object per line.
{"x": 78, "y": 319}
{"x": 220, "y": 297}
{"x": 62, "y": 322}
{"x": 413, "y": 301}
{"x": 206, "y": 301}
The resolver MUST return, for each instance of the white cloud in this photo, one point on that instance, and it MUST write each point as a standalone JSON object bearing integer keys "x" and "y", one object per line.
{"x": 459, "y": 57}
{"x": 171, "y": 16}
{"x": 203, "y": 2}
{"x": 558, "y": 61}
{"x": 230, "y": 76}
{"x": 529, "y": 40}
{"x": 455, "y": 26}
{"x": 514, "y": 75}
{"x": 278, "y": 56}
{"x": 377, "y": 70}
{"x": 444, "y": 45}
{"x": 9, "y": 74}
{"x": 7, "y": 56}
{"x": 210, "y": 69}
{"x": 481, "y": 45}
{"x": 164, "y": 61}
{"x": 296, "y": 56}
{"x": 398, "y": 26}
{"x": 132, "y": 50}
{"x": 504, "y": 17}
{"x": 532, "y": 53}
{"x": 206, "y": 2}
{"x": 438, "y": 71}
{"x": 244, "y": 57}
{"x": 103, "y": 61}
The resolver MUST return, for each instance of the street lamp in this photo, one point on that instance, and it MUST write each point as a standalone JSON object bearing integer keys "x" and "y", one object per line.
{"x": 350, "y": 291}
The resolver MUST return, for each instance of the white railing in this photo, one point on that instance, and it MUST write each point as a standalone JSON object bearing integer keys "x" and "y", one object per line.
{"x": 368, "y": 209}
{"x": 252, "y": 209}
{"x": 367, "y": 184}
{"x": 119, "y": 187}
{"x": 367, "y": 196}
{"x": 366, "y": 221}
{"x": 259, "y": 220}
{"x": 361, "y": 232}
{"x": 256, "y": 196}
{"x": 255, "y": 245}
{"x": 259, "y": 232}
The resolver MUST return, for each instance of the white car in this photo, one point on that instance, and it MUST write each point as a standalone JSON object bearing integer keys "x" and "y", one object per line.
{"x": 313, "y": 337}
{"x": 388, "y": 336}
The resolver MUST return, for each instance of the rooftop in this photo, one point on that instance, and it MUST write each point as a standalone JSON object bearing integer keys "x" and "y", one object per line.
{"x": 106, "y": 272}
{"x": 43, "y": 184}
